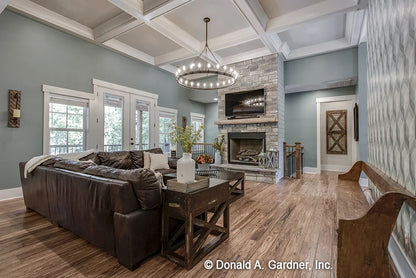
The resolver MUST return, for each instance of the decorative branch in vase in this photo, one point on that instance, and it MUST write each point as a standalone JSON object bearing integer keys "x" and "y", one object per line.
{"x": 219, "y": 147}
{"x": 186, "y": 137}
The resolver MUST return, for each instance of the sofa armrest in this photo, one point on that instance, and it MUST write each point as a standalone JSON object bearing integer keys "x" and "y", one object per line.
{"x": 137, "y": 236}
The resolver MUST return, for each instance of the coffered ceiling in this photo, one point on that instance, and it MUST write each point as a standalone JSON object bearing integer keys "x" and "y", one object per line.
{"x": 166, "y": 33}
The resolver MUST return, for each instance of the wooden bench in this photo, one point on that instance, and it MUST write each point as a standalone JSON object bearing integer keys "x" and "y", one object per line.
{"x": 363, "y": 230}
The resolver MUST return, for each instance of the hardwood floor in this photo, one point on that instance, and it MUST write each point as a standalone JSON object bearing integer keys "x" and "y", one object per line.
{"x": 294, "y": 220}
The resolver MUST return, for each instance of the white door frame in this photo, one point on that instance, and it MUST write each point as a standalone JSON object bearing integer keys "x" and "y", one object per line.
{"x": 353, "y": 100}
{"x": 130, "y": 94}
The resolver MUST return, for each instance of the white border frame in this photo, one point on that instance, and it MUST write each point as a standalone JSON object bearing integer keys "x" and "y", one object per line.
{"x": 47, "y": 91}
{"x": 353, "y": 100}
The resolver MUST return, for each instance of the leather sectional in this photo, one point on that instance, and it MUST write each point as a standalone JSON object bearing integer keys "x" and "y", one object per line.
{"x": 112, "y": 202}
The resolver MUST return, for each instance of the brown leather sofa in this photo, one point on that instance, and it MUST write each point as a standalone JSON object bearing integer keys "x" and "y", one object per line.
{"x": 112, "y": 203}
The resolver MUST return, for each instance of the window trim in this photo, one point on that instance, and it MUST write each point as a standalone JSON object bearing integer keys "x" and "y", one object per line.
{"x": 168, "y": 112}
{"x": 50, "y": 91}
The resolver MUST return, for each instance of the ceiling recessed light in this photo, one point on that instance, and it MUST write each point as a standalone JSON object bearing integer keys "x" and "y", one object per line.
{"x": 215, "y": 99}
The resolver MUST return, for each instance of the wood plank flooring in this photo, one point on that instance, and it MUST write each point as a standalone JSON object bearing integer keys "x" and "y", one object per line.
{"x": 294, "y": 220}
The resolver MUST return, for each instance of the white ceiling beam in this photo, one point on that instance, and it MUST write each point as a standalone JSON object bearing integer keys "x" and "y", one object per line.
{"x": 49, "y": 17}
{"x": 115, "y": 26}
{"x": 169, "y": 68}
{"x": 320, "y": 48}
{"x": 3, "y": 5}
{"x": 165, "y": 8}
{"x": 255, "y": 53}
{"x": 308, "y": 14}
{"x": 233, "y": 39}
{"x": 257, "y": 18}
{"x": 129, "y": 51}
{"x": 132, "y": 7}
{"x": 175, "y": 33}
{"x": 353, "y": 26}
{"x": 173, "y": 57}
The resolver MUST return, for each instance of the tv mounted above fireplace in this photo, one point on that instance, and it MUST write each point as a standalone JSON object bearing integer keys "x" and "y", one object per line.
{"x": 245, "y": 104}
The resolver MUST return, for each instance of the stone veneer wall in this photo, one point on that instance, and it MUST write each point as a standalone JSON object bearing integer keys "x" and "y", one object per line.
{"x": 255, "y": 74}
{"x": 392, "y": 102}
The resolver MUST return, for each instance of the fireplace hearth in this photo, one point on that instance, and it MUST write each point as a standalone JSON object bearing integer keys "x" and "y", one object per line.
{"x": 245, "y": 147}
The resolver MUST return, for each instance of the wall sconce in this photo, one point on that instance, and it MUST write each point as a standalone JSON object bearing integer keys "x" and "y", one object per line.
{"x": 14, "y": 108}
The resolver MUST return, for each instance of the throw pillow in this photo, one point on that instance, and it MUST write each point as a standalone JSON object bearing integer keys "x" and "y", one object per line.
{"x": 158, "y": 161}
{"x": 146, "y": 160}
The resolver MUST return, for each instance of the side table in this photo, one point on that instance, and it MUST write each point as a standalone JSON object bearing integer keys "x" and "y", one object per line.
{"x": 189, "y": 212}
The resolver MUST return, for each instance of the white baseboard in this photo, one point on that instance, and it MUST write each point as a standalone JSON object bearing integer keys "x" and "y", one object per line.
{"x": 12, "y": 193}
{"x": 400, "y": 259}
{"x": 310, "y": 170}
{"x": 335, "y": 168}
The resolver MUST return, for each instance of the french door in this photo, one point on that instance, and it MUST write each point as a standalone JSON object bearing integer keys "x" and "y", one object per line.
{"x": 128, "y": 120}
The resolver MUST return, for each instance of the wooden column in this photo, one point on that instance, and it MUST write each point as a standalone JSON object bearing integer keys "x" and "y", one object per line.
{"x": 298, "y": 159}
{"x": 284, "y": 158}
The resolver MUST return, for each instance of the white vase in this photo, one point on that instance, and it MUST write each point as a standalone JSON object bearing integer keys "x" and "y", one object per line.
{"x": 218, "y": 158}
{"x": 185, "y": 169}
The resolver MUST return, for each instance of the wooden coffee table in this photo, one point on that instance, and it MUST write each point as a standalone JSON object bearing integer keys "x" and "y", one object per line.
{"x": 191, "y": 215}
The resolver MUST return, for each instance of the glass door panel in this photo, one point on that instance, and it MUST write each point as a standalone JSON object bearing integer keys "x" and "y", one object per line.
{"x": 113, "y": 122}
{"x": 142, "y": 111}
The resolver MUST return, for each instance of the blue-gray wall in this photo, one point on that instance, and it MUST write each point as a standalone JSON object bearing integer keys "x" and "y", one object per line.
{"x": 300, "y": 108}
{"x": 211, "y": 115}
{"x": 362, "y": 102}
{"x": 32, "y": 54}
{"x": 300, "y": 119}
{"x": 320, "y": 68}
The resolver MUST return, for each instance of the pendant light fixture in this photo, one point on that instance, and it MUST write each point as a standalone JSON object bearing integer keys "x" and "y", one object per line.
{"x": 206, "y": 75}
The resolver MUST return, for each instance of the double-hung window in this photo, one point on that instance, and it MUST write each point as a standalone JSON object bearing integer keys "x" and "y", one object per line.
{"x": 68, "y": 124}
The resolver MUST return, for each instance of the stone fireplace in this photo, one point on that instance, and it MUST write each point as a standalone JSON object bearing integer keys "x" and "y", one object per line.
{"x": 245, "y": 147}
{"x": 246, "y": 137}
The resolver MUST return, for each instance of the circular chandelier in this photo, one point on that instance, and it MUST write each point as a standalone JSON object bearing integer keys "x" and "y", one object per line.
{"x": 206, "y": 75}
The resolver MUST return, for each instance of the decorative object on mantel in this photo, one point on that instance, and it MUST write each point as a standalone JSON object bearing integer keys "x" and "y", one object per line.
{"x": 262, "y": 159}
{"x": 272, "y": 158}
{"x": 186, "y": 137}
{"x": 199, "y": 68}
{"x": 219, "y": 147}
{"x": 204, "y": 161}
{"x": 14, "y": 108}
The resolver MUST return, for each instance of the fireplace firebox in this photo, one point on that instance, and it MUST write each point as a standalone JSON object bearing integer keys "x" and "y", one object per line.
{"x": 245, "y": 147}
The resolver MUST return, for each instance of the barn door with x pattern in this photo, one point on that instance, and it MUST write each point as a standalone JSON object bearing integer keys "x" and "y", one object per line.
{"x": 336, "y": 131}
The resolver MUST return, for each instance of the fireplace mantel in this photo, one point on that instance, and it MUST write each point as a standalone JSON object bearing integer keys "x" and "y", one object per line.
{"x": 260, "y": 120}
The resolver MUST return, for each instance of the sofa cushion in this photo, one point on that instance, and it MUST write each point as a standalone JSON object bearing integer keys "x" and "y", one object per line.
{"x": 158, "y": 161}
{"x": 73, "y": 165}
{"x": 119, "y": 160}
{"x": 144, "y": 182}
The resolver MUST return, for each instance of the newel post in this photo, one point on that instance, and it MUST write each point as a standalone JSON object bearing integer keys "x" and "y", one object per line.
{"x": 298, "y": 159}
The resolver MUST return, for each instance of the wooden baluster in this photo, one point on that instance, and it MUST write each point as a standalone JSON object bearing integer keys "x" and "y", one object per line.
{"x": 284, "y": 159}
{"x": 298, "y": 158}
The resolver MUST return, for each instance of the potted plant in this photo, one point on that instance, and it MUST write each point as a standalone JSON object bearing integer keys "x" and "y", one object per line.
{"x": 204, "y": 160}
{"x": 186, "y": 137}
{"x": 219, "y": 149}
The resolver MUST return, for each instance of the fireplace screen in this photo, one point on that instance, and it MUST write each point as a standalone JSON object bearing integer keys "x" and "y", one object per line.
{"x": 245, "y": 147}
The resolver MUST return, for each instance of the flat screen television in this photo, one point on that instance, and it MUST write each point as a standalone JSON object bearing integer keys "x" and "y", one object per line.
{"x": 244, "y": 104}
